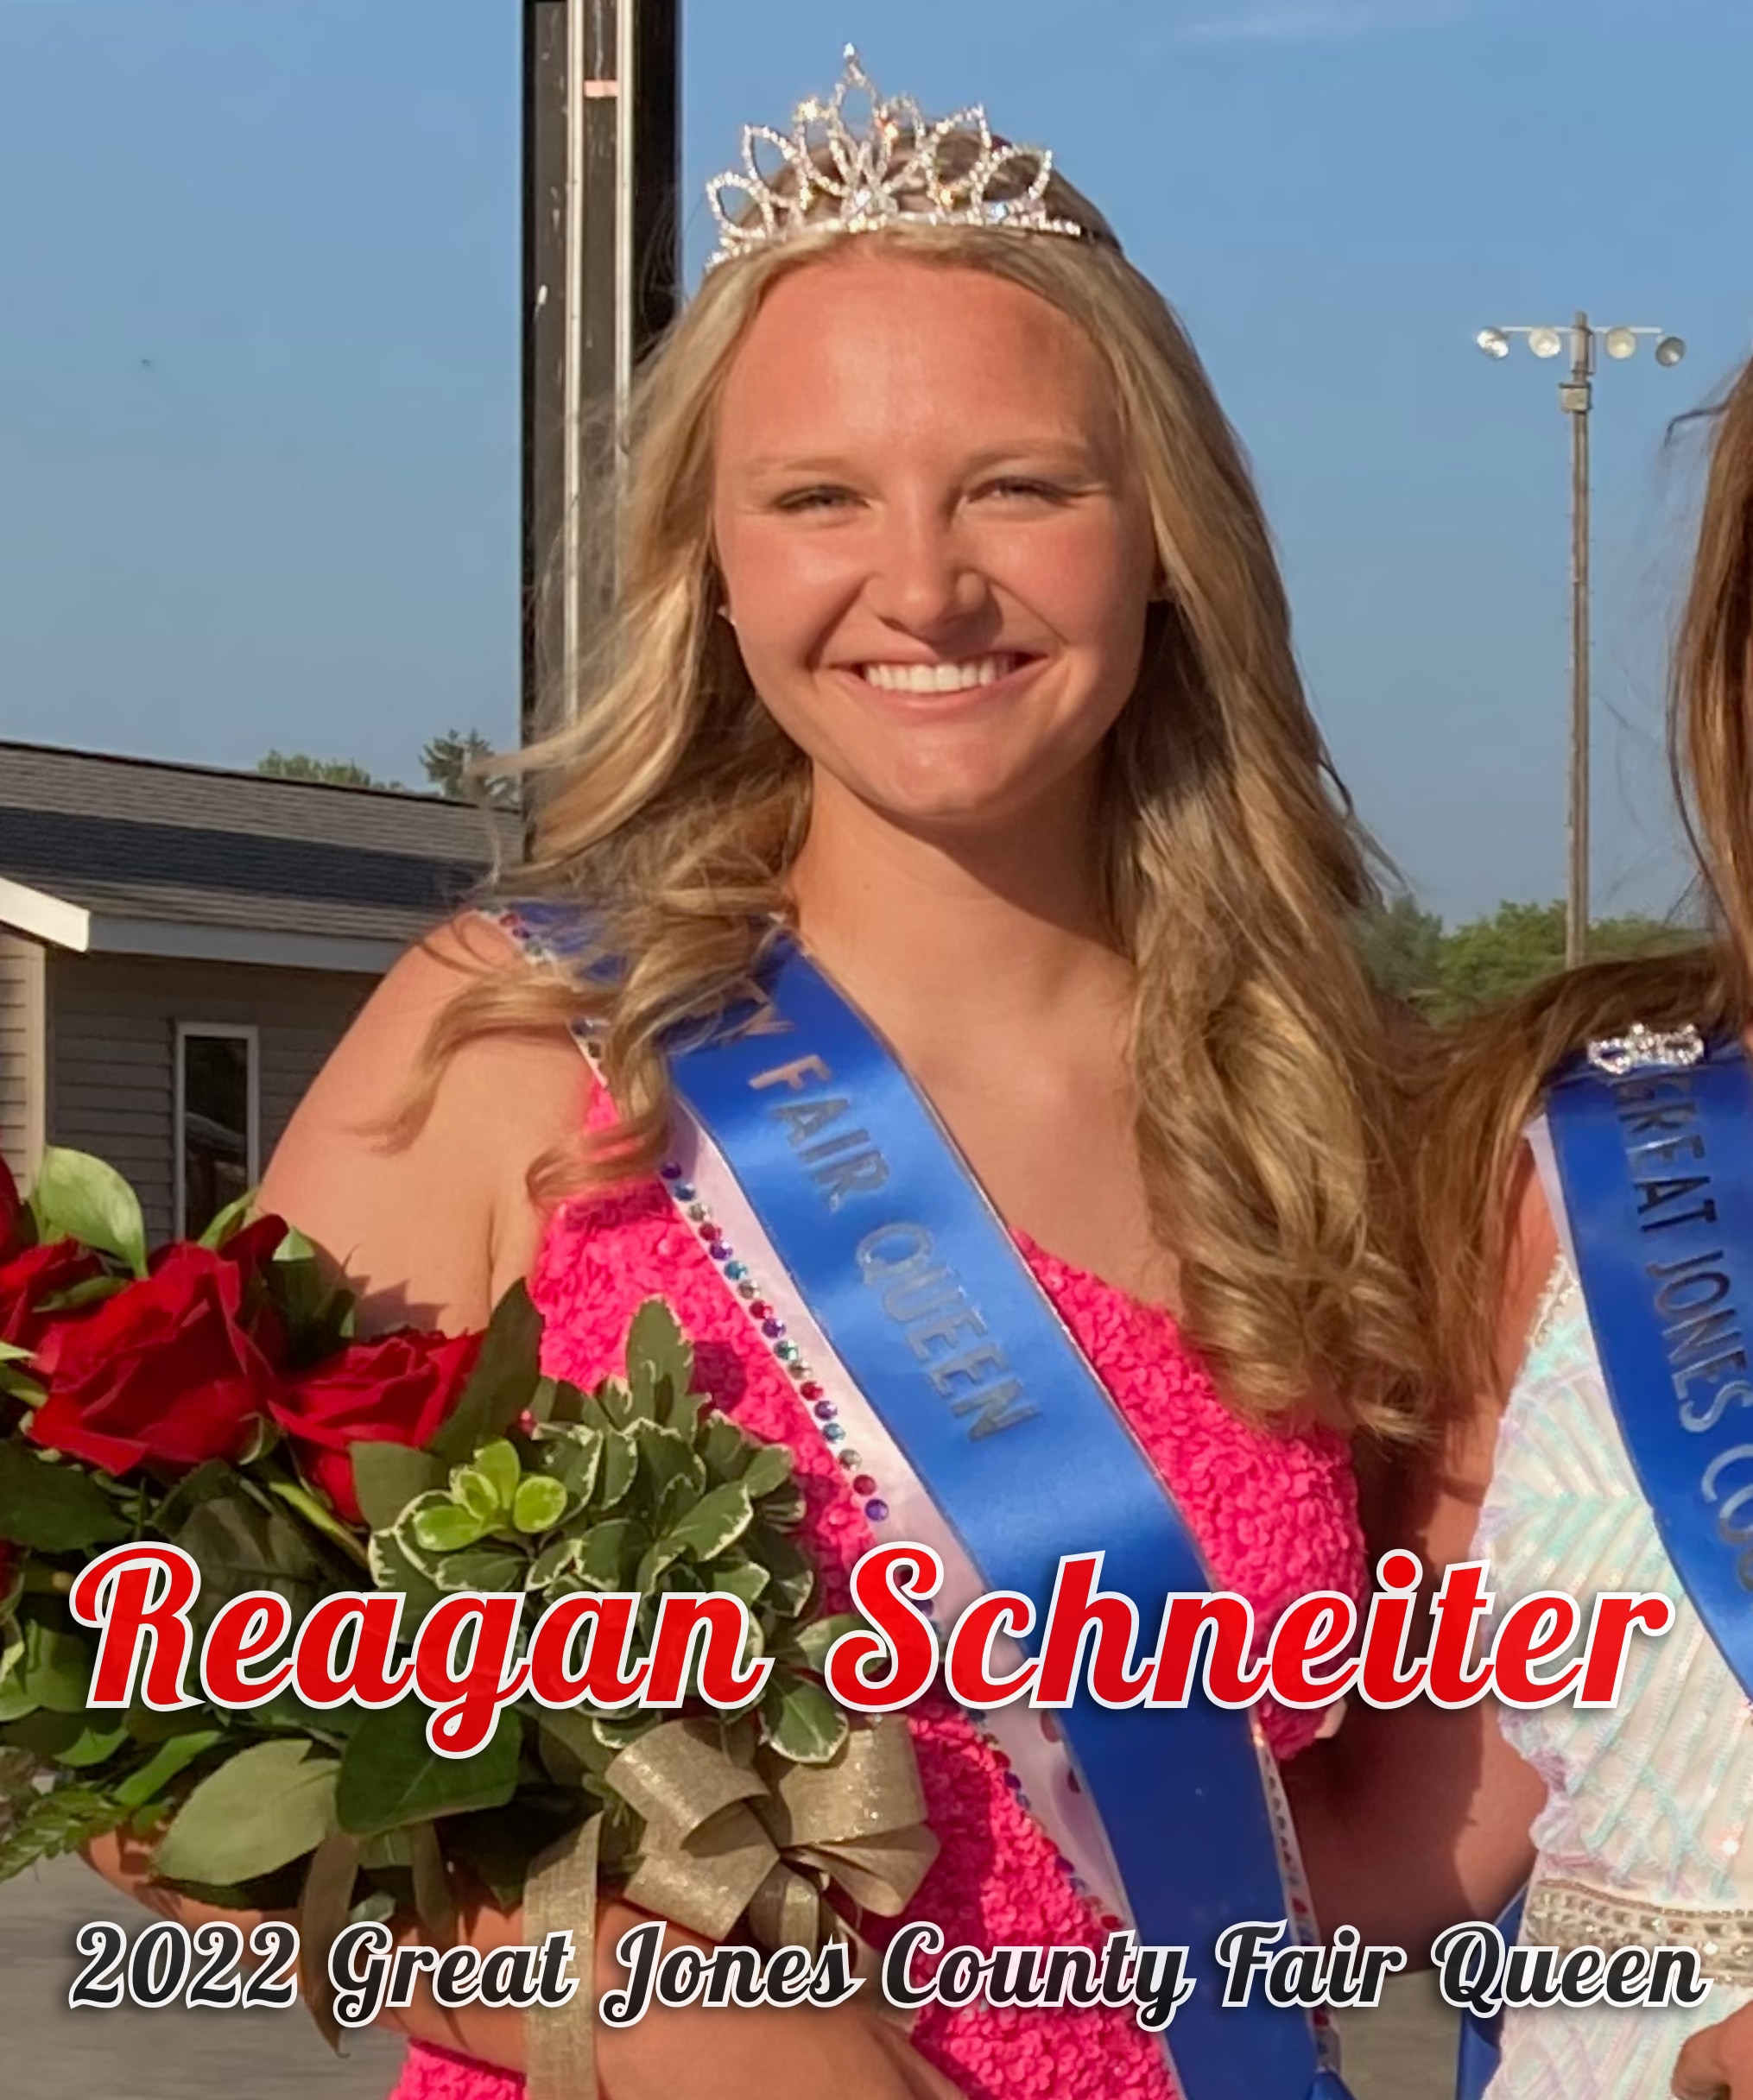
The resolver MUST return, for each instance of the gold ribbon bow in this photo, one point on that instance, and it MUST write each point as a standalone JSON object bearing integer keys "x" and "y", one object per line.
{"x": 722, "y": 1842}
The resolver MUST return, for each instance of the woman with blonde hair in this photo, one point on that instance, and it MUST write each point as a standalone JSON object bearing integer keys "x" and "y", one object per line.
{"x": 1583, "y": 1184}
{"x": 949, "y": 683}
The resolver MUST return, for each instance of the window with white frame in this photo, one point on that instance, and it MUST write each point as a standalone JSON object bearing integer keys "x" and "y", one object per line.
{"x": 219, "y": 1119}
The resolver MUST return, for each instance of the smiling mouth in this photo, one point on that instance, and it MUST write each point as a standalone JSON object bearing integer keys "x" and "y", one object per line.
{"x": 963, "y": 677}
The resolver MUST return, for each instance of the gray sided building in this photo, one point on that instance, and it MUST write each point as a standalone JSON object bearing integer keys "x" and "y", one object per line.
{"x": 182, "y": 948}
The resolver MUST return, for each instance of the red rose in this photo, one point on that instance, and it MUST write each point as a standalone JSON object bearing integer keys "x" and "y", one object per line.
{"x": 162, "y": 1370}
{"x": 399, "y": 1390}
{"x": 10, "y": 1205}
{"x": 34, "y": 1274}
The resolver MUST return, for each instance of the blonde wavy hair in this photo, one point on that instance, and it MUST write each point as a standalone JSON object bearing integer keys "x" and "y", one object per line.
{"x": 1267, "y": 1111}
{"x": 1484, "y": 1080}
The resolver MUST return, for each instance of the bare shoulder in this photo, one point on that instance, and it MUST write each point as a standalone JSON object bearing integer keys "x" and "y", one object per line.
{"x": 435, "y": 1225}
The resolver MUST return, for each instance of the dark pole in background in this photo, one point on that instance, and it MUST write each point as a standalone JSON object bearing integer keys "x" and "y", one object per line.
{"x": 602, "y": 139}
{"x": 1576, "y": 397}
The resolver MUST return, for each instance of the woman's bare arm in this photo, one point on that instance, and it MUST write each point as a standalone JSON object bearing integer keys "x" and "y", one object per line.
{"x": 1415, "y": 1818}
{"x": 434, "y": 1229}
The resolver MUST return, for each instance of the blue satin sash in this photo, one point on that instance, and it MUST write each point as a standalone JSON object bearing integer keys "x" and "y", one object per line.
{"x": 1657, "y": 1169}
{"x": 1657, "y": 1172}
{"x": 1479, "y": 2045}
{"x": 1026, "y": 1458}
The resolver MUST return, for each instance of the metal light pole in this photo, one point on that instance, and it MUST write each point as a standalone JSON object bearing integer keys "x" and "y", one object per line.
{"x": 1576, "y": 397}
{"x": 602, "y": 132}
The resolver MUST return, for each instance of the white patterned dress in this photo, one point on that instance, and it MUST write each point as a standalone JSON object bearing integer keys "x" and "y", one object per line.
{"x": 1644, "y": 1838}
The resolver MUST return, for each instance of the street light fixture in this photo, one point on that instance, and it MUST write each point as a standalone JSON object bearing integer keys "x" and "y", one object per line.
{"x": 1576, "y": 398}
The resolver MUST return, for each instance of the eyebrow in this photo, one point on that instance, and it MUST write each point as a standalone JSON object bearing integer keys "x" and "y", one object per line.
{"x": 1049, "y": 451}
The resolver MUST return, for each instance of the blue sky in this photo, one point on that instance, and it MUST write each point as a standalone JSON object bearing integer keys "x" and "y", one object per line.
{"x": 258, "y": 353}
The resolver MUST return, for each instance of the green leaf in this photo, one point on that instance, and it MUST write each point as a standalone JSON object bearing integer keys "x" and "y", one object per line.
{"x": 387, "y": 1477}
{"x": 554, "y": 1561}
{"x": 490, "y": 1567}
{"x": 323, "y": 1903}
{"x": 319, "y": 1517}
{"x": 264, "y": 1808}
{"x": 230, "y": 1219}
{"x": 538, "y": 1505}
{"x": 93, "y": 1746}
{"x": 434, "y": 1903}
{"x": 571, "y": 1456}
{"x": 801, "y": 1722}
{"x": 392, "y": 1569}
{"x": 499, "y": 1465}
{"x": 16, "y": 1386}
{"x": 54, "y": 1508}
{"x": 611, "y": 1551}
{"x": 717, "y": 1520}
{"x": 92, "y": 1292}
{"x": 813, "y": 1642}
{"x": 769, "y": 1469}
{"x": 723, "y": 1447}
{"x": 665, "y": 1455}
{"x": 10, "y": 1352}
{"x": 77, "y": 1197}
{"x": 617, "y": 1401}
{"x": 503, "y": 1383}
{"x": 55, "y": 1823}
{"x": 744, "y": 1578}
{"x": 240, "y": 1545}
{"x": 390, "y": 1776}
{"x": 446, "y": 1527}
{"x": 15, "y": 1701}
{"x": 316, "y": 1309}
{"x": 793, "y": 1573}
{"x": 575, "y": 1731}
{"x": 163, "y": 1765}
{"x": 658, "y": 1356}
{"x": 679, "y": 1496}
{"x": 620, "y": 1467}
{"x": 64, "y": 1738}
{"x": 55, "y": 1669}
{"x": 286, "y": 1714}
{"x": 784, "y": 1509}
{"x": 475, "y": 1491}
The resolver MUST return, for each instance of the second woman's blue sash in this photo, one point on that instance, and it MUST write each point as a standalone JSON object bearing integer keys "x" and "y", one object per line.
{"x": 1653, "y": 1138}
{"x": 1021, "y": 1450}
{"x": 1656, "y": 1165}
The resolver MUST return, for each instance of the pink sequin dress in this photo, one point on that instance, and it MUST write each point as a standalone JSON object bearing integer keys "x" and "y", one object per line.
{"x": 1275, "y": 1517}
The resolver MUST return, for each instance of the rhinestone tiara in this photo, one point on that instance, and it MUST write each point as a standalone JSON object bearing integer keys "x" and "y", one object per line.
{"x": 859, "y": 179}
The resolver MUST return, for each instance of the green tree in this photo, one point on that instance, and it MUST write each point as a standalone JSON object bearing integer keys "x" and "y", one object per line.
{"x": 448, "y": 763}
{"x": 1491, "y": 960}
{"x": 1401, "y": 946}
{"x": 337, "y": 772}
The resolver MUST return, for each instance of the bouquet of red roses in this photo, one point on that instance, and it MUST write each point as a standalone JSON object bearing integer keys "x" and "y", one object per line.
{"x": 213, "y": 1396}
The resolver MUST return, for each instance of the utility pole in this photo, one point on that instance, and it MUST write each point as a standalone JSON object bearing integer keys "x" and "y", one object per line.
{"x": 1576, "y": 397}
{"x": 601, "y": 137}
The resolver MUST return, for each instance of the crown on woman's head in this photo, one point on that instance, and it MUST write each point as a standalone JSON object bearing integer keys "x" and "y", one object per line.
{"x": 953, "y": 173}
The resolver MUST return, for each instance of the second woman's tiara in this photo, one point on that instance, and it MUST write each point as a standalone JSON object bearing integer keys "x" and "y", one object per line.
{"x": 835, "y": 174}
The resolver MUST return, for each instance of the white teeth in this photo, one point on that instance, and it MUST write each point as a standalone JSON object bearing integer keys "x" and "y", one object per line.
{"x": 938, "y": 677}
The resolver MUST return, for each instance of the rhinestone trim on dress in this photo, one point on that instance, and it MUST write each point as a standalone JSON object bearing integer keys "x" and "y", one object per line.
{"x": 1567, "y": 1914}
